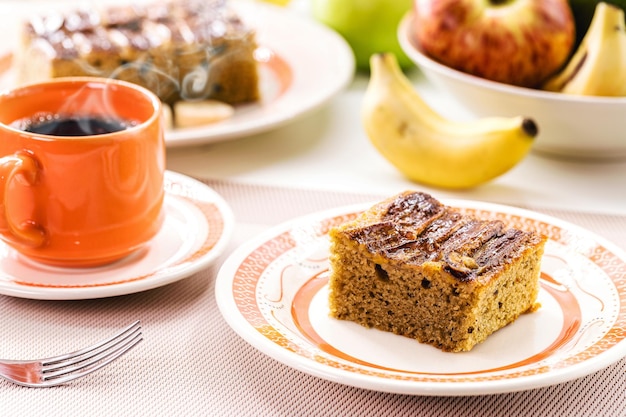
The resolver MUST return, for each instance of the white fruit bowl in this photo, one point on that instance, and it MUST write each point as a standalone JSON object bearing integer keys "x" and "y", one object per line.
{"x": 570, "y": 126}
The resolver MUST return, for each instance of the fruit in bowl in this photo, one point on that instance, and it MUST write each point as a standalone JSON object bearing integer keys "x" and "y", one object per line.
{"x": 598, "y": 68}
{"x": 583, "y": 13}
{"x": 579, "y": 126}
{"x": 519, "y": 42}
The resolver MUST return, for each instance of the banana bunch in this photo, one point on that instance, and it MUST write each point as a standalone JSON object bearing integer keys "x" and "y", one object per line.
{"x": 430, "y": 149}
{"x": 598, "y": 67}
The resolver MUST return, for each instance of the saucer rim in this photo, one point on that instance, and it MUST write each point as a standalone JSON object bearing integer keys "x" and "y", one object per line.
{"x": 158, "y": 276}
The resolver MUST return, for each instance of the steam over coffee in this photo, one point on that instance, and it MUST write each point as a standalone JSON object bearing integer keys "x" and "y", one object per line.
{"x": 59, "y": 125}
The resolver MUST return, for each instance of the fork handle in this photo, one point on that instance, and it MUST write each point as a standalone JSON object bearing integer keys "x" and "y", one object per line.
{"x": 22, "y": 168}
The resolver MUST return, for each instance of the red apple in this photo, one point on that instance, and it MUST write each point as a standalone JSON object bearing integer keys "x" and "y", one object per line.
{"x": 519, "y": 42}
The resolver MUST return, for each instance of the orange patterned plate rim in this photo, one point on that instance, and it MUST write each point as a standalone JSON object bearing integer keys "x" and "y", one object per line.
{"x": 273, "y": 292}
{"x": 197, "y": 227}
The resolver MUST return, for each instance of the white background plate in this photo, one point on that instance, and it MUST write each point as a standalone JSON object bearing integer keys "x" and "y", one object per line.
{"x": 303, "y": 64}
{"x": 196, "y": 230}
{"x": 272, "y": 291}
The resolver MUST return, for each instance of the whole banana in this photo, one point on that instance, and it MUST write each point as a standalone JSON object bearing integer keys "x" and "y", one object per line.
{"x": 598, "y": 67}
{"x": 429, "y": 148}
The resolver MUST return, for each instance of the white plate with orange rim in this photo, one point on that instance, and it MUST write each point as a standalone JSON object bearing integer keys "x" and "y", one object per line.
{"x": 273, "y": 292}
{"x": 302, "y": 65}
{"x": 197, "y": 228}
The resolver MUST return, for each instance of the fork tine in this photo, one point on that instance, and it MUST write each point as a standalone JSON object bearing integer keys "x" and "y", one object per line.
{"x": 60, "y": 358}
{"x": 88, "y": 357}
{"x": 74, "y": 373}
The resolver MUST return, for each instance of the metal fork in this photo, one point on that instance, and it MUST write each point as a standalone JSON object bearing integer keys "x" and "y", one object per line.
{"x": 60, "y": 369}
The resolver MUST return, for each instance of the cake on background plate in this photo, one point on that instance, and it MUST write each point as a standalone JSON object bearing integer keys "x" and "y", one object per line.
{"x": 418, "y": 268}
{"x": 179, "y": 49}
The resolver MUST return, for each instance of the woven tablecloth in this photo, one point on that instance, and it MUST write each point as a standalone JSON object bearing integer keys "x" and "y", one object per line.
{"x": 191, "y": 363}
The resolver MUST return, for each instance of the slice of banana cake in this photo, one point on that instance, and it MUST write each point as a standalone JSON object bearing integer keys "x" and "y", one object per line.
{"x": 418, "y": 268}
{"x": 186, "y": 50}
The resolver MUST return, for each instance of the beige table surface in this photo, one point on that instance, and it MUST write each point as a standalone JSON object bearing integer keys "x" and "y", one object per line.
{"x": 192, "y": 364}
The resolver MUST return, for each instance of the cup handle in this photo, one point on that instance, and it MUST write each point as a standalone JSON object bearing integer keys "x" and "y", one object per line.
{"x": 24, "y": 168}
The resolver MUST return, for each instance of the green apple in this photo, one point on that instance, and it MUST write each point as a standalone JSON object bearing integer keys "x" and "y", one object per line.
{"x": 369, "y": 26}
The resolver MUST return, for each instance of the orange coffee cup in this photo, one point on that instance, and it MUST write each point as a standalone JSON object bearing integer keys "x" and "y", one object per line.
{"x": 86, "y": 199}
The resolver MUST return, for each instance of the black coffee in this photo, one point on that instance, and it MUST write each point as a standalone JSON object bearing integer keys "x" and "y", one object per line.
{"x": 78, "y": 126}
